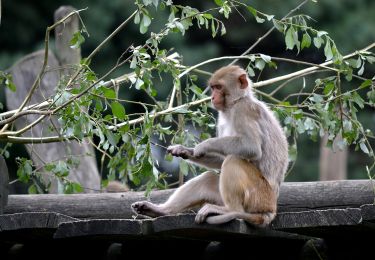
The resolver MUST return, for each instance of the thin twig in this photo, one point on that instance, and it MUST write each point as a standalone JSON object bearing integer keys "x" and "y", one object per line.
{"x": 118, "y": 29}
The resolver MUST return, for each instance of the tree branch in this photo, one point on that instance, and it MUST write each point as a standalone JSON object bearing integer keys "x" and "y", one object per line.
{"x": 172, "y": 109}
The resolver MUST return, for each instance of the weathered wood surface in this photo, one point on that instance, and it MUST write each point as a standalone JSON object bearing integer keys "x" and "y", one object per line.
{"x": 179, "y": 226}
{"x": 289, "y": 226}
{"x": 294, "y": 197}
{"x": 18, "y": 221}
{"x": 24, "y": 74}
{"x": 4, "y": 184}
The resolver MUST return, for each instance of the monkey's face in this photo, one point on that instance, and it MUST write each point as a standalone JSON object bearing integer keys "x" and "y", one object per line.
{"x": 217, "y": 96}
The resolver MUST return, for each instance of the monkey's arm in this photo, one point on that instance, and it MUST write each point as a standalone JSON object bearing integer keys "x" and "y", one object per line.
{"x": 210, "y": 160}
{"x": 248, "y": 147}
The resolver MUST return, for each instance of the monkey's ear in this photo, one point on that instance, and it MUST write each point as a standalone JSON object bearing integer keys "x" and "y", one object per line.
{"x": 243, "y": 81}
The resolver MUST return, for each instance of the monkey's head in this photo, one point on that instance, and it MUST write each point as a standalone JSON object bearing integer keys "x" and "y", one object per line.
{"x": 228, "y": 85}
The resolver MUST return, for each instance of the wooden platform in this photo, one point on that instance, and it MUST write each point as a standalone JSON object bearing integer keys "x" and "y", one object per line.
{"x": 102, "y": 225}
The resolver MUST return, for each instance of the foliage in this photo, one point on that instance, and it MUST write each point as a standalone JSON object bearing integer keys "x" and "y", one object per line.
{"x": 326, "y": 105}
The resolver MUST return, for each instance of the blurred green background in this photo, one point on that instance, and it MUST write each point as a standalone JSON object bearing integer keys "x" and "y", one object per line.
{"x": 350, "y": 23}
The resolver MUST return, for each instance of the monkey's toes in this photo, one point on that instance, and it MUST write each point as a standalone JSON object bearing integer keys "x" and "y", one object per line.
{"x": 137, "y": 207}
{"x": 200, "y": 218}
{"x": 146, "y": 208}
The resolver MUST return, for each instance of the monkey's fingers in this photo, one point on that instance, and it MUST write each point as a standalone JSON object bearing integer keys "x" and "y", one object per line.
{"x": 179, "y": 151}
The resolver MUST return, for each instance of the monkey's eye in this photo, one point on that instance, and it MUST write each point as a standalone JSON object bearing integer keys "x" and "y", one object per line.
{"x": 217, "y": 87}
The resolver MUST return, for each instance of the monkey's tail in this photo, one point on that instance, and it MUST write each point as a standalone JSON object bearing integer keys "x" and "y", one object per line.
{"x": 259, "y": 219}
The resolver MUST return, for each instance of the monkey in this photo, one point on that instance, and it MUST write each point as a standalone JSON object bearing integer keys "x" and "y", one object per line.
{"x": 251, "y": 151}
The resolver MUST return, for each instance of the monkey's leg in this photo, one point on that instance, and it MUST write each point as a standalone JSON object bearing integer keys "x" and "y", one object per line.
{"x": 194, "y": 193}
{"x": 246, "y": 194}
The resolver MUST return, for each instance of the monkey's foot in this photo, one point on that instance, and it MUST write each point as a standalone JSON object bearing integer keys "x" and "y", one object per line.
{"x": 207, "y": 210}
{"x": 147, "y": 208}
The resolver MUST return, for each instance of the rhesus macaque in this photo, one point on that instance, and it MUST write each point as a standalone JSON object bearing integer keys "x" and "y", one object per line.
{"x": 251, "y": 151}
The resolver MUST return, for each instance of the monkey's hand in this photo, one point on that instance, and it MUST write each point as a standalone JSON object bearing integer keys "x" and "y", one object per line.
{"x": 202, "y": 149}
{"x": 181, "y": 151}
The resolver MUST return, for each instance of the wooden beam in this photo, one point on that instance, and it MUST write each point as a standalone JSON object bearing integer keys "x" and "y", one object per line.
{"x": 294, "y": 197}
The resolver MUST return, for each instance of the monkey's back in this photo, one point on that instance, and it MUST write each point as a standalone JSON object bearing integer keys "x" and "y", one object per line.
{"x": 274, "y": 161}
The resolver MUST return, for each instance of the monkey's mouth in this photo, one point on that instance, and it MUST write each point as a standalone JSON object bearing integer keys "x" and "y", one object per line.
{"x": 218, "y": 105}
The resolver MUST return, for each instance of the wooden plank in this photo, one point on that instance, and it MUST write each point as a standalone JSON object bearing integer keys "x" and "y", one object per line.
{"x": 289, "y": 226}
{"x": 302, "y": 196}
{"x": 100, "y": 228}
{"x": 294, "y": 197}
{"x": 183, "y": 226}
{"x": 368, "y": 212}
{"x": 29, "y": 220}
{"x": 30, "y": 226}
{"x": 104, "y": 205}
{"x": 180, "y": 226}
{"x": 318, "y": 218}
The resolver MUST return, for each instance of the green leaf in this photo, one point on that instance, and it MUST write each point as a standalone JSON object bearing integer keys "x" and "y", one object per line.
{"x": 318, "y": 42}
{"x": 250, "y": 71}
{"x": 300, "y": 127}
{"x": 364, "y": 148}
{"x": 366, "y": 83}
{"x": 49, "y": 167}
{"x": 293, "y": 152}
{"x": 279, "y": 26}
{"x": 118, "y": 110}
{"x": 219, "y": 2}
{"x": 370, "y": 59}
{"x": 266, "y": 58}
{"x": 259, "y": 20}
{"x": 213, "y": 28}
{"x": 143, "y": 29}
{"x": 223, "y": 30}
{"x": 10, "y": 85}
{"x": 358, "y": 100}
{"x": 33, "y": 189}
{"x": 269, "y": 17}
{"x": 371, "y": 96}
{"x": 77, "y": 40}
{"x": 184, "y": 168}
{"x": 309, "y": 124}
{"x": 180, "y": 26}
{"x": 289, "y": 40}
{"x": 137, "y": 18}
{"x": 361, "y": 70}
{"x": 208, "y": 16}
{"x": 259, "y": 64}
{"x": 139, "y": 84}
{"x": 328, "y": 51}
{"x": 108, "y": 92}
{"x": 328, "y": 88}
{"x": 168, "y": 157}
{"x": 321, "y": 33}
{"x": 182, "y": 110}
{"x": 306, "y": 41}
{"x": 252, "y": 10}
{"x": 77, "y": 188}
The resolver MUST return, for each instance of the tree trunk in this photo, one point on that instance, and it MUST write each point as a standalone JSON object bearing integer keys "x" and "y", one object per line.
{"x": 333, "y": 162}
{"x": 24, "y": 74}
